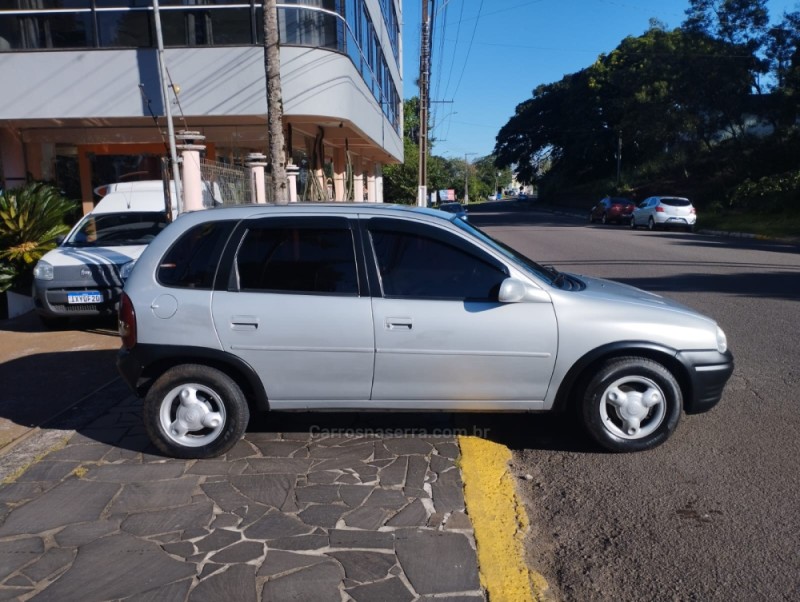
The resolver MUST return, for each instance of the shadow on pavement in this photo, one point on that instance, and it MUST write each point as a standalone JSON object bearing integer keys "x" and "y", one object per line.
{"x": 35, "y": 388}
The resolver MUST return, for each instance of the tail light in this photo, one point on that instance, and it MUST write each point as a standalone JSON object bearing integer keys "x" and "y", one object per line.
{"x": 127, "y": 322}
{"x": 692, "y": 210}
{"x": 659, "y": 209}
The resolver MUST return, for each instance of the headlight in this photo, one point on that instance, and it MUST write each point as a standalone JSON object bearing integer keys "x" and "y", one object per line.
{"x": 722, "y": 341}
{"x": 125, "y": 270}
{"x": 43, "y": 271}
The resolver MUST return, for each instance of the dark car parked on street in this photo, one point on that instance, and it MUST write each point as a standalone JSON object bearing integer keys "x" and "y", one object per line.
{"x": 612, "y": 210}
{"x": 456, "y": 208}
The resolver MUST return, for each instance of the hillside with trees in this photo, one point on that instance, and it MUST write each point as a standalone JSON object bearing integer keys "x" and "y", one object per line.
{"x": 710, "y": 110}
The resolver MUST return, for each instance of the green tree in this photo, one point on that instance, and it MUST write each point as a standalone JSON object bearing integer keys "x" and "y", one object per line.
{"x": 401, "y": 180}
{"x": 742, "y": 23}
{"x": 655, "y": 93}
{"x": 31, "y": 218}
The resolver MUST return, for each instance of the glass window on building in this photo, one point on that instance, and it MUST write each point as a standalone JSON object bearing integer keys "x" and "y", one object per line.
{"x": 65, "y": 29}
{"x": 205, "y": 23}
{"x": 127, "y": 27}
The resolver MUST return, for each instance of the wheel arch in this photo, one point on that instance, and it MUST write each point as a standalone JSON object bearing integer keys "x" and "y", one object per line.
{"x": 158, "y": 359}
{"x": 581, "y": 371}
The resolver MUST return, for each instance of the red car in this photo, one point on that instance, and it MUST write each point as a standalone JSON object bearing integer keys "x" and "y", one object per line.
{"x": 612, "y": 209}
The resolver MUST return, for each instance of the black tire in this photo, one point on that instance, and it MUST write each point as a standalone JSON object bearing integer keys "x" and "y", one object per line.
{"x": 632, "y": 223}
{"x": 591, "y": 217}
{"x": 635, "y": 381}
{"x": 651, "y": 224}
{"x": 212, "y": 396}
{"x": 604, "y": 219}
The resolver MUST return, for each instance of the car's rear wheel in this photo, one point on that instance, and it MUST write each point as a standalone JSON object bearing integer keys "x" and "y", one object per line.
{"x": 631, "y": 404}
{"x": 195, "y": 411}
{"x": 651, "y": 224}
{"x": 604, "y": 219}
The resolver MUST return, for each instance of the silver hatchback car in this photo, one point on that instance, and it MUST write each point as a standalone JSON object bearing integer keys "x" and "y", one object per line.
{"x": 374, "y": 307}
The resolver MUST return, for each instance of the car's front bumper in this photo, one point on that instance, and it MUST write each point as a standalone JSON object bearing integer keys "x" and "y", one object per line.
{"x": 50, "y": 299}
{"x": 708, "y": 372}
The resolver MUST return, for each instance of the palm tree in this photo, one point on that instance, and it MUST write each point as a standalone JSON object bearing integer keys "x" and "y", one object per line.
{"x": 31, "y": 219}
{"x": 272, "y": 66}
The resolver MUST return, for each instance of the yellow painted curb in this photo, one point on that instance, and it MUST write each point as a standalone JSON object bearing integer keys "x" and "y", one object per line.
{"x": 499, "y": 521}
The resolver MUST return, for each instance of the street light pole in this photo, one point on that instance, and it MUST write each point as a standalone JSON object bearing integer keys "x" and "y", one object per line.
{"x": 466, "y": 178}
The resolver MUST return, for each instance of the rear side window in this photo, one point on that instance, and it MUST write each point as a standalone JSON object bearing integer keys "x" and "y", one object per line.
{"x": 676, "y": 202}
{"x": 192, "y": 261}
{"x": 298, "y": 260}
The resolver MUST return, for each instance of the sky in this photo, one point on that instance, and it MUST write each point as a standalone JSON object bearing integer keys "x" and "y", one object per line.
{"x": 489, "y": 55}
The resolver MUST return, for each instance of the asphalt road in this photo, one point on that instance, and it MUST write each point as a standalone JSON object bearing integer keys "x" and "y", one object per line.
{"x": 713, "y": 513}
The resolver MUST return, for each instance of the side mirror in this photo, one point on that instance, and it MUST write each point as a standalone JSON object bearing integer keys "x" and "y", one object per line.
{"x": 517, "y": 291}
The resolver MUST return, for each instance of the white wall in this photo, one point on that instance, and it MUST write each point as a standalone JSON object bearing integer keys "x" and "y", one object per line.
{"x": 214, "y": 81}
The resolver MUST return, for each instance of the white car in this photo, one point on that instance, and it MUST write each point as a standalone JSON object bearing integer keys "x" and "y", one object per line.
{"x": 664, "y": 212}
{"x": 85, "y": 274}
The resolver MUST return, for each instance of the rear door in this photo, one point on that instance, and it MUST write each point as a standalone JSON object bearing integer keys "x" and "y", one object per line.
{"x": 294, "y": 311}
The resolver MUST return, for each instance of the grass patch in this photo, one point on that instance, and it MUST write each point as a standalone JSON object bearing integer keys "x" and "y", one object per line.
{"x": 766, "y": 225}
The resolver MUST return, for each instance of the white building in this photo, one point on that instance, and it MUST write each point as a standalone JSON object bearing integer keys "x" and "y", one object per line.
{"x": 82, "y": 100}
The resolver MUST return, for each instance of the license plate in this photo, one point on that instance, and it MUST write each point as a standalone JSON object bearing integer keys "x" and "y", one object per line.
{"x": 84, "y": 297}
{"x": 677, "y": 219}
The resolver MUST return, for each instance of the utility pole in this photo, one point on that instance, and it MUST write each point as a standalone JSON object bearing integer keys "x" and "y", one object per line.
{"x": 424, "y": 70}
{"x": 173, "y": 153}
{"x": 272, "y": 66}
{"x": 466, "y": 178}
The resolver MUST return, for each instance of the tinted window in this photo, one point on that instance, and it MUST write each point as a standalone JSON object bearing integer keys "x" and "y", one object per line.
{"x": 676, "y": 202}
{"x": 192, "y": 261}
{"x": 416, "y": 266}
{"x": 298, "y": 260}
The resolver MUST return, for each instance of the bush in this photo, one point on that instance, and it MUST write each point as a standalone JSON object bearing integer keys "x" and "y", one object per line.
{"x": 31, "y": 218}
{"x": 770, "y": 194}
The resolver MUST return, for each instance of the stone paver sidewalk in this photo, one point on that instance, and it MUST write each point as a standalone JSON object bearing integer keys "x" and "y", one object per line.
{"x": 284, "y": 516}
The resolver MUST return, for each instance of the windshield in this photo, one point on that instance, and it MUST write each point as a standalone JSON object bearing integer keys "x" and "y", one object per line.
{"x": 549, "y": 275}
{"x": 117, "y": 229}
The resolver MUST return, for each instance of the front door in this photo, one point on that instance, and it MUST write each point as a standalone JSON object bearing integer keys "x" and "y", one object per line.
{"x": 441, "y": 336}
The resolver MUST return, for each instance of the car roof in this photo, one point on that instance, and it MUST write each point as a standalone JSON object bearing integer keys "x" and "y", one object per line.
{"x": 332, "y": 208}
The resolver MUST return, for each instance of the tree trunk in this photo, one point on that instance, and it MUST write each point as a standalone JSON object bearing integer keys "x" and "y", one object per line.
{"x": 272, "y": 65}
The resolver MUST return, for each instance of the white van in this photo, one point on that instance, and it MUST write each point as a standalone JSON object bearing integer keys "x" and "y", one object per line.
{"x": 85, "y": 274}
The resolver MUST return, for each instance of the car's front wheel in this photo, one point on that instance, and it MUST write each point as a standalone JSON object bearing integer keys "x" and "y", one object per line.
{"x": 632, "y": 223}
{"x": 195, "y": 411}
{"x": 631, "y": 404}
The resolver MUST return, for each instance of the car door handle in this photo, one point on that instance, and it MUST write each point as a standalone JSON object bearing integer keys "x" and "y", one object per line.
{"x": 398, "y": 323}
{"x": 244, "y": 323}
